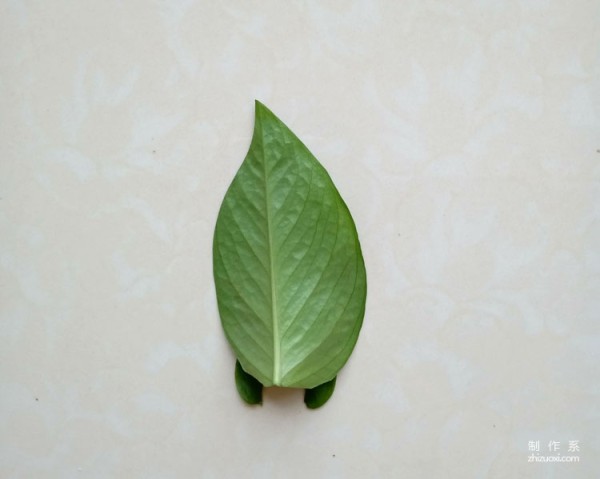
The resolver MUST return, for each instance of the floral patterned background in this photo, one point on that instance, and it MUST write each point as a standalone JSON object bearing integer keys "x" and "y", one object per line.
{"x": 465, "y": 138}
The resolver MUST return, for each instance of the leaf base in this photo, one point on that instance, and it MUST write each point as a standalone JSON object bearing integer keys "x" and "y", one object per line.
{"x": 314, "y": 398}
{"x": 249, "y": 388}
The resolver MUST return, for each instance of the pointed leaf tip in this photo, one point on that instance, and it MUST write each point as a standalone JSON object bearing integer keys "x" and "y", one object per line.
{"x": 260, "y": 108}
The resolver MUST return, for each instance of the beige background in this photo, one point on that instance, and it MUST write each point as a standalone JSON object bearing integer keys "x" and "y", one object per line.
{"x": 465, "y": 138}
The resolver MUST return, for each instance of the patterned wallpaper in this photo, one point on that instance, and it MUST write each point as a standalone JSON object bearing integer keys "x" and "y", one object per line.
{"x": 465, "y": 138}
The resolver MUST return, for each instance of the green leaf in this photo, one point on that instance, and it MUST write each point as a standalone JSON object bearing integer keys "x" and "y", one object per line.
{"x": 289, "y": 272}
{"x": 249, "y": 389}
{"x": 316, "y": 397}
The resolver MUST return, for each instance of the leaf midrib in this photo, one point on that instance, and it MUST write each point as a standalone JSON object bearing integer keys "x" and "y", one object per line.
{"x": 276, "y": 339}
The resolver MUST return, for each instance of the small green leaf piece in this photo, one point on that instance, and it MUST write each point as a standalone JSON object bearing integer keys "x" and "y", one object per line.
{"x": 289, "y": 272}
{"x": 248, "y": 387}
{"x": 316, "y": 397}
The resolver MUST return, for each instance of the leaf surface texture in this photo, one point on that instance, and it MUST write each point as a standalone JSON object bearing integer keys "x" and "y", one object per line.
{"x": 289, "y": 272}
